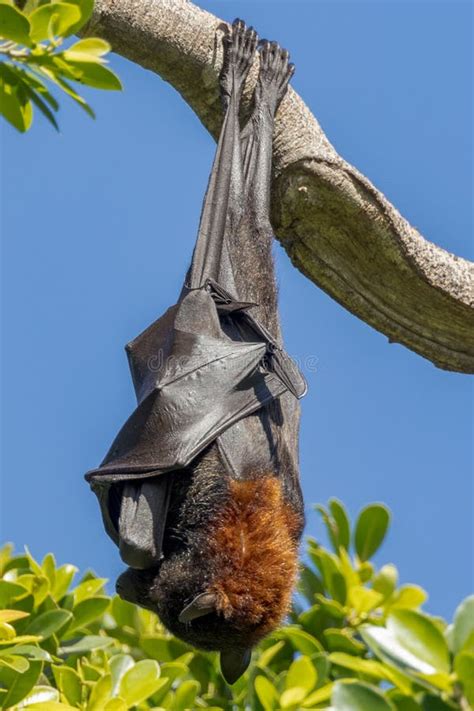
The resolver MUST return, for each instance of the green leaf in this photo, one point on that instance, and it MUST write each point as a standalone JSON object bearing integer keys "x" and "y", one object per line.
{"x": 50, "y": 706}
{"x": 85, "y": 8}
{"x": 88, "y": 610}
{"x": 10, "y": 591}
{"x": 116, "y": 705}
{"x": 266, "y": 692}
{"x": 292, "y": 697}
{"x": 48, "y": 565}
{"x": 341, "y": 519}
{"x": 268, "y": 654}
{"x": 174, "y": 670}
{"x": 52, "y": 76}
{"x": 357, "y": 696}
{"x": 417, "y": 633}
{"x": 186, "y": 694}
{"x": 342, "y": 640}
{"x": 363, "y": 600}
{"x": 47, "y": 113}
{"x": 14, "y": 25}
{"x": 386, "y": 580}
{"x": 301, "y": 674}
{"x": 403, "y": 702}
{"x": 48, "y": 623}
{"x": 29, "y": 651}
{"x": 371, "y": 528}
{"x": 66, "y": 573}
{"x": 140, "y": 682}
{"x": 320, "y": 696}
{"x": 119, "y": 665}
{"x": 95, "y": 75}
{"x": 301, "y": 640}
{"x": 69, "y": 683}
{"x": 464, "y": 668}
{"x": 22, "y": 684}
{"x": 16, "y": 108}
{"x": 12, "y": 615}
{"x": 58, "y": 17}
{"x": 371, "y": 668}
{"x": 463, "y": 626}
{"x": 85, "y": 645}
{"x": 387, "y": 647}
{"x": 41, "y": 694}
{"x": 91, "y": 49}
{"x": 38, "y": 585}
{"x": 409, "y": 597}
{"x": 309, "y": 583}
{"x": 89, "y": 588}
{"x": 14, "y": 662}
{"x": 100, "y": 694}
{"x": 331, "y": 607}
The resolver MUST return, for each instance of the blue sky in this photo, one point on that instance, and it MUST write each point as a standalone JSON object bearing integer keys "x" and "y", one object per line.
{"x": 98, "y": 225}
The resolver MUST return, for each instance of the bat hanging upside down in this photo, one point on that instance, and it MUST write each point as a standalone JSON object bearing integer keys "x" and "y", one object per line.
{"x": 200, "y": 489}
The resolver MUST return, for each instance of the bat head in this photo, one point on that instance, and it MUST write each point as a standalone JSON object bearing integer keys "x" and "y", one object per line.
{"x": 231, "y": 584}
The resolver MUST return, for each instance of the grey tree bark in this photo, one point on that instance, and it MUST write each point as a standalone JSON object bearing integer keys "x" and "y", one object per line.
{"x": 338, "y": 229}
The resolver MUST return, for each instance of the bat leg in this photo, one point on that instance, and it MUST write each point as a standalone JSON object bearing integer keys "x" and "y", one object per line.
{"x": 240, "y": 46}
{"x": 141, "y": 521}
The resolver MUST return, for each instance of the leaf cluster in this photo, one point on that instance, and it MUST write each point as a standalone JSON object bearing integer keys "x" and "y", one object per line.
{"x": 356, "y": 641}
{"x": 32, "y": 57}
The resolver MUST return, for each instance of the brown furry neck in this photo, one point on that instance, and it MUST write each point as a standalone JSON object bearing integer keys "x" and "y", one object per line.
{"x": 255, "y": 541}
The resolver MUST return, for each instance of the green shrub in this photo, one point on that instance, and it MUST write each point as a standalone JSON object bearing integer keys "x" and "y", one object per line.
{"x": 359, "y": 643}
{"x": 33, "y": 57}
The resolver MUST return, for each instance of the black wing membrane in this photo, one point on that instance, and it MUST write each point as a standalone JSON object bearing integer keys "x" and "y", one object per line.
{"x": 198, "y": 371}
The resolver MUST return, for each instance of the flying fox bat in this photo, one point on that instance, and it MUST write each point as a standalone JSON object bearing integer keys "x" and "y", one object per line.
{"x": 200, "y": 489}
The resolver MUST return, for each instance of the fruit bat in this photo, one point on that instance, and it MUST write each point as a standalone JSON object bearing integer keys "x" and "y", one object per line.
{"x": 200, "y": 489}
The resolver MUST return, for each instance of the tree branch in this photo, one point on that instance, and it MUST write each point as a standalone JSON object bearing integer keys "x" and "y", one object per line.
{"x": 338, "y": 229}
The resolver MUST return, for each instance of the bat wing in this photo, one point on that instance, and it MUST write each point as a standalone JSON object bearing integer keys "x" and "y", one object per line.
{"x": 201, "y": 384}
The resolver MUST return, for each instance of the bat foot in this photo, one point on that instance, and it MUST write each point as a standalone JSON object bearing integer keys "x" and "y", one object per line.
{"x": 275, "y": 73}
{"x": 240, "y": 46}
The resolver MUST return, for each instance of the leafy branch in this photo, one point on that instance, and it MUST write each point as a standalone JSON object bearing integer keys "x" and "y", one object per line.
{"x": 356, "y": 641}
{"x": 32, "y": 56}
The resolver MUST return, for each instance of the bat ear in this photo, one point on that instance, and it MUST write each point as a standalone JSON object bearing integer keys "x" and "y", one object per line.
{"x": 234, "y": 664}
{"x": 203, "y": 604}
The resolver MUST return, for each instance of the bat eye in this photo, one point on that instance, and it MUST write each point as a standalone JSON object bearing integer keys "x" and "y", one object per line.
{"x": 203, "y": 604}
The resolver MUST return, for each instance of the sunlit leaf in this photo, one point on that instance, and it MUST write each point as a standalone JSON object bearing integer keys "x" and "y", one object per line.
{"x": 91, "y": 49}
{"x": 340, "y": 516}
{"x": 12, "y": 615}
{"x": 119, "y": 665}
{"x": 417, "y": 633}
{"x": 266, "y": 692}
{"x": 22, "y": 684}
{"x": 16, "y": 108}
{"x": 100, "y": 694}
{"x": 63, "y": 15}
{"x": 358, "y": 696}
{"x": 49, "y": 622}
{"x": 140, "y": 682}
{"x": 386, "y": 580}
{"x": 409, "y": 597}
{"x": 463, "y": 626}
{"x": 85, "y": 644}
{"x": 69, "y": 683}
{"x": 301, "y": 674}
{"x": 14, "y": 25}
{"x": 14, "y": 662}
{"x": 464, "y": 668}
{"x": 371, "y": 528}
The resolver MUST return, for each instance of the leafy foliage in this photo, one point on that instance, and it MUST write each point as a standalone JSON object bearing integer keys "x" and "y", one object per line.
{"x": 361, "y": 643}
{"x": 30, "y": 42}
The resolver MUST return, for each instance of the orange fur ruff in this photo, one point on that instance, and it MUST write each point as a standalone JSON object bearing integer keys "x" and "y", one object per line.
{"x": 255, "y": 544}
